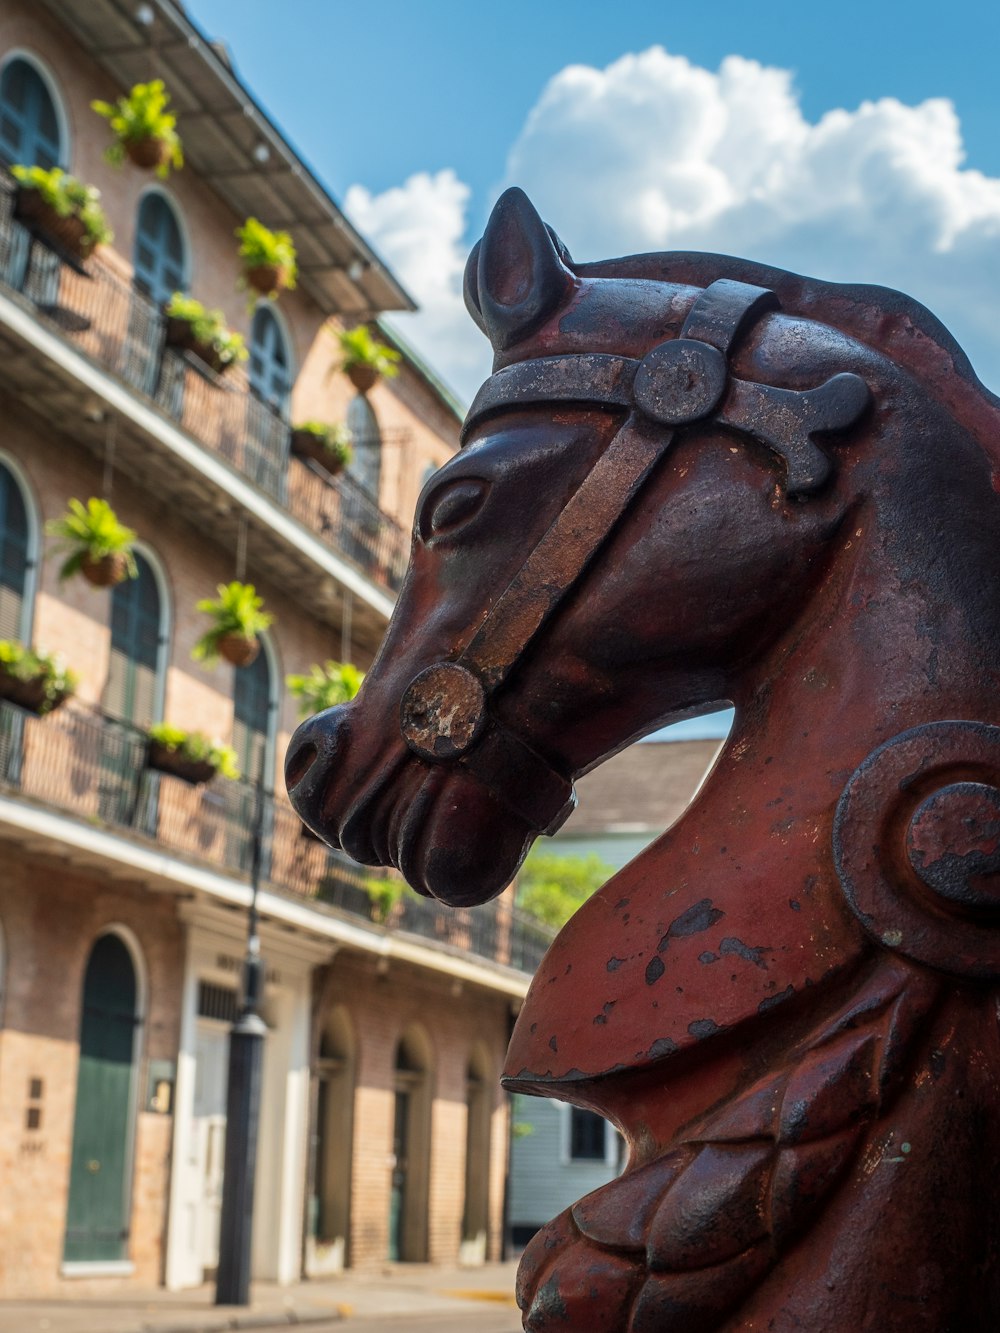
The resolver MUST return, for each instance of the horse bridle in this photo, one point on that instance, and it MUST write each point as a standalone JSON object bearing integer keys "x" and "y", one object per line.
{"x": 444, "y": 714}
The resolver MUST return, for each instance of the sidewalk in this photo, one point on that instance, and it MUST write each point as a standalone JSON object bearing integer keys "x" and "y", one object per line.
{"x": 397, "y": 1289}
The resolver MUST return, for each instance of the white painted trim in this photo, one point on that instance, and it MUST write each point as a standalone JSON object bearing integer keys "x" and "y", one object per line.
{"x": 170, "y": 872}
{"x": 98, "y": 1268}
{"x": 44, "y": 72}
{"x": 119, "y": 399}
{"x": 176, "y": 1275}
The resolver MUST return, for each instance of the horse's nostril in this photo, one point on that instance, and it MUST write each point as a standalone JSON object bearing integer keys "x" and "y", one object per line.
{"x": 299, "y": 763}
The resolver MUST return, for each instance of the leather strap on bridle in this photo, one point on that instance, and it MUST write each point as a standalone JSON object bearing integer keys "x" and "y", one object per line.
{"x": 444, "y": 714}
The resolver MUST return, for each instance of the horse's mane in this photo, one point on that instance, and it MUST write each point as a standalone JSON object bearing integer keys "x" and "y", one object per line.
{"x": 886, "y": 320}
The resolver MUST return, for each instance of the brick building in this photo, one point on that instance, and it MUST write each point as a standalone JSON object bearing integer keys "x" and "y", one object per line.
{"x": 124, "y": 893}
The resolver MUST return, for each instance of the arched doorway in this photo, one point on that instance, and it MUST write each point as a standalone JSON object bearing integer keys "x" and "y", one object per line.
{"x": 160, "y": 267}
{"x": 366, "y": 441}
{"x": 411, "y": 1148}
{"x": 479, "y": 1106}
{"x": 255, "y": 716}
{"x": 31, "y": 121}
{"x": 98, "y": 1213}
{"x": 330, "y": 1207}
{"x": 267, "y": 407}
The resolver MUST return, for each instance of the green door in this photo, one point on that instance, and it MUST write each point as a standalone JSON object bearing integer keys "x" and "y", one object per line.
{"x": 97, "y": 1219}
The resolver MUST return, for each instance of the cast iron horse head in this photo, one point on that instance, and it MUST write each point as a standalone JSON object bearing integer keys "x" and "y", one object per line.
{"x": 693, "y": 479}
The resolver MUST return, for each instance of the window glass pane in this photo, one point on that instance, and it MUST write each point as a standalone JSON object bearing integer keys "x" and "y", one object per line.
{"x": 587, "y": 1135}
{"x": 131, "y": 690}
{"x": 29, "y": 126}
{"x": 13, "y": 554}
{"x": 158, "y": 255}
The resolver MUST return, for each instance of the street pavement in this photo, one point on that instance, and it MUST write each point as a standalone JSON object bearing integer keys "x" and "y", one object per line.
{"x": 400, "y": 1298}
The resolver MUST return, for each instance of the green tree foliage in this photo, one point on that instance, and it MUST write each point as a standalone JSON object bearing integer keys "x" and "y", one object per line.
{"x": 552, "y": 887}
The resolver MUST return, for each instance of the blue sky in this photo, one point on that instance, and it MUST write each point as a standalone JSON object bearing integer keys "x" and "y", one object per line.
{"x": 851, "y": 141}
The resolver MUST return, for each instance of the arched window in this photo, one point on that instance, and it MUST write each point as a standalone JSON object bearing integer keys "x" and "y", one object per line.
{"x": 29, "y": 121}
{"x": 270, "y": 363}
{"x": 160, "y": 257}
{"x": 366, "y": 465}
{"x": 133, "y": 691}
{"x": 99, "y": 1208}
{"x": 254, "y": 708}
{"x": 15, "y": 558}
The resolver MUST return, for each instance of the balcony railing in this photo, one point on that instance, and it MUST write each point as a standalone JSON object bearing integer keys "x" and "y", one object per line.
{"x": 81, "y": 763}
{"x": 119, "y": 328}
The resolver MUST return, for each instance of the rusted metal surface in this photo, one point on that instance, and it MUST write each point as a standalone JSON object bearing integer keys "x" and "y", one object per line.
{"x": 693, "y": 479}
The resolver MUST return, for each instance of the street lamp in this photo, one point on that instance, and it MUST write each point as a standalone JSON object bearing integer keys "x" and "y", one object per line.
{"x": 246, "y": 1060}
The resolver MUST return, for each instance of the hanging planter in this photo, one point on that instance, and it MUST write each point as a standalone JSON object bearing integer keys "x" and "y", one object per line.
{"x": 100, "y": 548}
{"x": 193, "y": 328}
{"x": 145, "y": 131}
{"x": 329, "y": 446}
{"x": 363, "y": 359}
{"x": 36, "y": 681}
{"x": 325, "y": 686}
{"x": 188, "y": 755}
{"x": 238, "y": 618}
{"x": 268, "y": 259}
{"x": 62, "y": 208}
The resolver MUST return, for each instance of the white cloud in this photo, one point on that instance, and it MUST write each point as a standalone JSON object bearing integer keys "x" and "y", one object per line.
{"x": 654, "y": 153}
{"x": 419, "y": 228}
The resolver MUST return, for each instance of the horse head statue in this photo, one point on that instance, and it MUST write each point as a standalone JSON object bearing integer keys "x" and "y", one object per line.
{"x": 693, "y": 480}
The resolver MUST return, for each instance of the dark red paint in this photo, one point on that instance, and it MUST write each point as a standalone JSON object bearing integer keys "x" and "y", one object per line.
{"x": 694, "y": 479}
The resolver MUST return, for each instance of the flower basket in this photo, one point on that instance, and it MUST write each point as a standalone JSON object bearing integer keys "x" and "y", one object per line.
{"x": 32, "y": 695}
{"x": 362, "y": 377}
{"x": 267, "y": 278}
{"x": 239, "y": 649}
{"x": 68, "y": 232}
{"x": 306, "y": 444}
{"x": 180, "y": 334}
{"x": 166, "y": 759}
{"x": 151, "y": 154}
{"x": 107, "y": 571}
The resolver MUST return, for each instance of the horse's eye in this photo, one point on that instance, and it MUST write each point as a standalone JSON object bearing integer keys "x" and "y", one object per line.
{"x": 451, "y": 505}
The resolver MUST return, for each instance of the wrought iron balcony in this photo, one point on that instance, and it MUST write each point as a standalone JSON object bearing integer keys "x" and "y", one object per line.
{"x": 83, "y": 764}
{"x": 105, "y": 317}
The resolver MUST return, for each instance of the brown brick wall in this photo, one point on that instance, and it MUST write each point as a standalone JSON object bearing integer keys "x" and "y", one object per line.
{"x": 51, "y": 915}
{"x": 381, "y": 1007}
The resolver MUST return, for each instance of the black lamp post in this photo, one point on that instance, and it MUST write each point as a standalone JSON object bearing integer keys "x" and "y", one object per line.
{"x": 246, "y": 1059}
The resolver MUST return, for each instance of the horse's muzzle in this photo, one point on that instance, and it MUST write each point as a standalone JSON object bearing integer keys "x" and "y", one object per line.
{"x": 312, "y": 752}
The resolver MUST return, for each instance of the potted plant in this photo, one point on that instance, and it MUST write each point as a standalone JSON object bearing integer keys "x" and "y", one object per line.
{"x": 363, "y": 358}
{"x": 325, "y": 686}
{"x": 267, "y": 257}
{"x": 193, "y": 328}
{"x": 35, "y": 680}
{"x": 62, "y": 208}
{"x": 188, "y": 755}
{"x": 238, "y": 617}
{"x": 330, "y": 446}
{"x": 99, "y": 547}
{"x": 384, "y": 894}
{"x": 145, "y": 131}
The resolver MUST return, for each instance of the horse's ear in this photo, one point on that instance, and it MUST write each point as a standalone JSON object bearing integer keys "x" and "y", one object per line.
{"x": 520, "y": 276}
{"x": 471, "y": 288}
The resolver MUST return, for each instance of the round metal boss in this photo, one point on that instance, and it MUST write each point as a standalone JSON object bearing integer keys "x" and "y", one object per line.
{"x": 680, "y": 381}
{"x": 442, "y": 711}
{"x": 917, "y": 846}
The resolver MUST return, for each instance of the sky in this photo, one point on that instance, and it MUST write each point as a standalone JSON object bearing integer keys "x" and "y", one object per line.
{"x": 850, "y": 141}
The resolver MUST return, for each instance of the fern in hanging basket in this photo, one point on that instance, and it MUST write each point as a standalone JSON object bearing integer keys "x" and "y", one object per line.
{"x": 325, "y": 686}
{"x": 238, "y": 617}
{"x": 99, "y": 546}
{"x": 267, "y": 258}
{"x": 363, "y": 359}
{"x": 62, "y": 208}
{"x": 145, "y": 131}
{"x": 189, "y": 755}
{"x": 36, "y": 680}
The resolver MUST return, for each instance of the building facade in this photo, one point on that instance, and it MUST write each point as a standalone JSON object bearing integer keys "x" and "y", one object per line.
{"x": 125, "y": 892}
